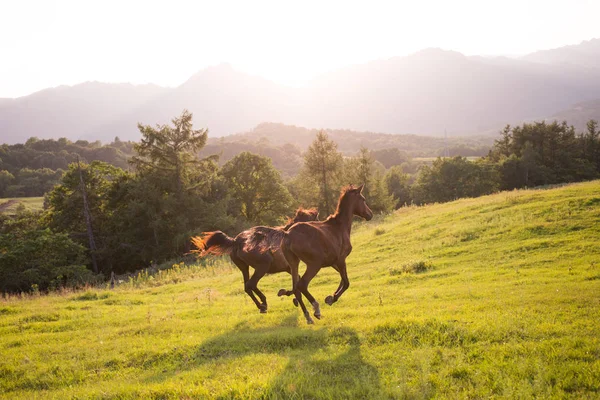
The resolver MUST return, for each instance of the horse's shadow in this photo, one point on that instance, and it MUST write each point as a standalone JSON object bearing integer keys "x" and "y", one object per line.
{"x": 310, "y": 371}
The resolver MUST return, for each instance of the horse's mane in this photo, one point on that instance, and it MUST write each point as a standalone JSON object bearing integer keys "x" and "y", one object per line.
{"x": 343, "y": 192}
{"x": 303, "y": 214}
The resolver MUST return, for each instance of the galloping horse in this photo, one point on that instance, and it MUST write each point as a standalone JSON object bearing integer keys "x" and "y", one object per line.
{"x": 319, "y": 244}
{"x": 243, "y": 257}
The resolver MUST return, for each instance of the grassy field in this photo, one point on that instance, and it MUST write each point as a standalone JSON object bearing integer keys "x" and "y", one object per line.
{"x": 491, "y": 297}
{"x": 9, "y": 205}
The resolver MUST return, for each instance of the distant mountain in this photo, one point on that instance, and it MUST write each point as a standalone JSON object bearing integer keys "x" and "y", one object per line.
{"x": 222, "y": 99}
{"x": 74, "y": 112}
{"x": 435, "y": 90}
{"x": 579, "y": 114}
{"x": 5, "y": 102}
{"x": 585, "y": 54}
{"x": 426, "y": 93}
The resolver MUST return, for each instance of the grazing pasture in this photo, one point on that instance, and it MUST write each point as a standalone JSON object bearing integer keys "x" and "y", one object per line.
{"x": 497, "y": 296}
{"x": 10, "y": 205}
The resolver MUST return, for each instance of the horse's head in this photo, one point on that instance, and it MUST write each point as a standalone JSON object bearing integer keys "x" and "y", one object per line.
{"x": 302, "y": 215}
{"x": 360, "y": 208}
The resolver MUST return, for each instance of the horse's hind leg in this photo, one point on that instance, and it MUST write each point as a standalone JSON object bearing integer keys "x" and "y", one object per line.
{"x": 302, "y": 285}
{"x": 252, "y": 284}
{"x": 293, "y": 262}
{"x": 298, "y": 295}
{"x": 245, "y": 268}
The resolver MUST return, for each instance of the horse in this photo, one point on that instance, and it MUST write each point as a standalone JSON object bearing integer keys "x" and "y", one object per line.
{"x": 319, "y": 244}
{"x": 218, "y": 243}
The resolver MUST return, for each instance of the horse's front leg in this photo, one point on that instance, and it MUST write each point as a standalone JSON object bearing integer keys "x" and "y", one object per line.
{"x": 285, "y": 292}
{"x": 292, "y": 263}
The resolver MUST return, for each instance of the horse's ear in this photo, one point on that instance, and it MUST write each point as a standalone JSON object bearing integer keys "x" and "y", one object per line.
{"x": 360, "y": 188}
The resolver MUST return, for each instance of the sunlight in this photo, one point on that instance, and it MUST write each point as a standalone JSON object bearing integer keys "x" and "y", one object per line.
{"x": 47, "y": 44}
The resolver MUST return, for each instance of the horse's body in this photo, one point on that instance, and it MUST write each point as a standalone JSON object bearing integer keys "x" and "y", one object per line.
{"x": 243, "y": 256}
{"x": 319, "y": 244}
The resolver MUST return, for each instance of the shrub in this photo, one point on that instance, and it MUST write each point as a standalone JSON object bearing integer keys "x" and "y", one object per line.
{"x": 412, "y": 267}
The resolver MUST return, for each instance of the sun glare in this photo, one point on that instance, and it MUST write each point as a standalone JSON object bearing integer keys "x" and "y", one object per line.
{"x": 48, "y": 43}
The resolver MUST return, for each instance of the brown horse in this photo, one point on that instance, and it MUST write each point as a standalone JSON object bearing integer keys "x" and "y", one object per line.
{"x": 320, "y": 244}
{"x": 243, "y": 257}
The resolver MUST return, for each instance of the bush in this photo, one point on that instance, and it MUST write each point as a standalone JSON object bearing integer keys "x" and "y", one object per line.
{"x": 412, "y": 267}
{"x": 33, "y": 259}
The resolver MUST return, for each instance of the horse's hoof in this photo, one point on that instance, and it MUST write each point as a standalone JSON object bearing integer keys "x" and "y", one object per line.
{"x": 317, "y": 309}
{"x": 329, "y": 300}
{"x": 263, "y": 309}
{"x": 309, "y": 320}
{"x": 295, "y": 302}
{"x": 282, "y": 292}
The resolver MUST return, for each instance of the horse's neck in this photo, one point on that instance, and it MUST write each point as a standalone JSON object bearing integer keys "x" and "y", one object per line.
{"x": 344, "y": 219}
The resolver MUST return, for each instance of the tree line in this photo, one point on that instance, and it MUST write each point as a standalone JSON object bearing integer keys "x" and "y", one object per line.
{"x": 34, "y": 167}
{"x": 534, "y": 154}
{"x": 145, "y": 211}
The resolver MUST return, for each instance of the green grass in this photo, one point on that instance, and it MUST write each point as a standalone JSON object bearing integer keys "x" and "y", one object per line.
{"x": 491, "y": 297}
{"x": 10, "y": 205}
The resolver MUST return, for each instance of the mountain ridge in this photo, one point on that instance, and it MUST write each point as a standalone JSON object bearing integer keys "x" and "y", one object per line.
{"x": 428, "y": 92}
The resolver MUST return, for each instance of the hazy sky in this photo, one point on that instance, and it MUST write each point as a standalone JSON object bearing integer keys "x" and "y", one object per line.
{"x": 46, "y": 43}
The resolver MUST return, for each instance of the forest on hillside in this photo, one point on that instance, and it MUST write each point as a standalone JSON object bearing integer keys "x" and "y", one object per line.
{"x": 140, "y": 204}
{"x": 34, "y": 167}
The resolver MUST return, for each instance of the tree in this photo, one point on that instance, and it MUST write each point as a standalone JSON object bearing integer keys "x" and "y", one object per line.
{"x": 323, "y": 164}
{"x": 174, "y": 194}
{"x": 256, "y": 189}
{"x": 454, "y": 178}
{"x": 591, "y": 144}
{"x": 6, "y": 179}
{"x": 170, "y": 151}
{"x": 66, "y": 212}
{"x": 397, "y": 184}
{"x": 543, "y": 153}
{"x": 370, "y": 173}
{"x": 390, "y": 156}
{"x": 33, "y": 256}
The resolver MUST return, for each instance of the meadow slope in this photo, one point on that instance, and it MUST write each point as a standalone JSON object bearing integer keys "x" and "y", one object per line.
{"x": 10, "y": 205}
{"x": 491, "y": 297}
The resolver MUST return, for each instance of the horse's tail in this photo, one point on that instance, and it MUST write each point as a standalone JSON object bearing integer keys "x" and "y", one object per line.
{"x": 271, "y": 241}
{"x": 216, "y": 243}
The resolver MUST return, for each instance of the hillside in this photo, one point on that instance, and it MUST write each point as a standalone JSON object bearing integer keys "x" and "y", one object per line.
{"x": 478, "y": 298}
{"x": 10, "y": 205}
{"x": 349, "y": 141}
{"x": 284, "y": 144}
{"x": 425, "y": 93}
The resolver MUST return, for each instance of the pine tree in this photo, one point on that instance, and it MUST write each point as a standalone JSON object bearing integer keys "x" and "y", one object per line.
{"x": 170, "y": 151}
{"x": 323, "y": 163}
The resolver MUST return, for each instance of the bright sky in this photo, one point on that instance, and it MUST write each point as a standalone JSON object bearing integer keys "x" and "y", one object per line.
{"x": 46, "y": 43}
